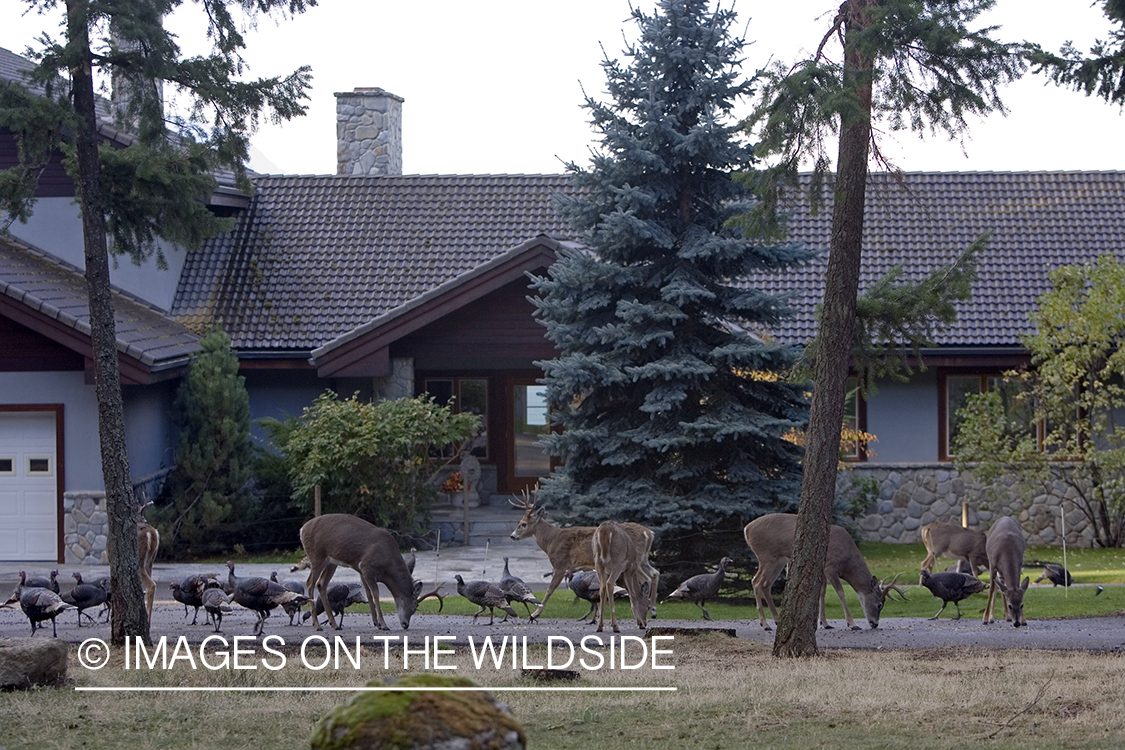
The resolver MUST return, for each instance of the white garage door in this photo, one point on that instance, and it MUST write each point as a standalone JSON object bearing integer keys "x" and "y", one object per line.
{"x": 28, "y": 483}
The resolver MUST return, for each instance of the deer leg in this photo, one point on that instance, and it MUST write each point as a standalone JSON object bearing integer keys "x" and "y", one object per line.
{"x": 556, "y": 579}
{"x": 322, "y": 582}
{"x": 762, "y": 581}
{"x": 988, "y": 618}
{"x": 835, "y": 581}
{"x": 371, "y": 588}
{"x": 928, "y": 563}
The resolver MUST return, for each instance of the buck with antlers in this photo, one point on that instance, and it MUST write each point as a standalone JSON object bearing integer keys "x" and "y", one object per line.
{"x": 618, "y": 556}
{"x": 571, "y": 548}
{"x": 771, "y": 539}
{"x": 340, "y": 539}
{"x": 1005, "y": 547}
{"x": 964, "y": 545}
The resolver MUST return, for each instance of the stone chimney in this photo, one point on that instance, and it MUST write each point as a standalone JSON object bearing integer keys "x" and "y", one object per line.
{"x": 368, "y": 132}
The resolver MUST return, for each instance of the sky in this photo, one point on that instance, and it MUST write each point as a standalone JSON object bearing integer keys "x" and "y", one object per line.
{"x": 497, "y": 87}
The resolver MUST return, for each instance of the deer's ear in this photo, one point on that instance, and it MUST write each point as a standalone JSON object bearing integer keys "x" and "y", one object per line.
{"x": 540, "y": 511}
{"x": 1025, "y": 582}
{"x": 417, "y": 589}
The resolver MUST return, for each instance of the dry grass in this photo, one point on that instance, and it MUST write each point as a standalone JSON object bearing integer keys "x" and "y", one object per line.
{"x": 730, "y": 693}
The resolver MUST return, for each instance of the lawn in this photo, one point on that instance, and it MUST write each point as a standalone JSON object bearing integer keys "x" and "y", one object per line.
{"x": 729, "y": 694}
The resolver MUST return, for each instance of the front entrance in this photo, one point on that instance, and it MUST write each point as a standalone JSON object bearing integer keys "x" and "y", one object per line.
{"x": 527, "y": 421}
{"x": 29, "y": 485}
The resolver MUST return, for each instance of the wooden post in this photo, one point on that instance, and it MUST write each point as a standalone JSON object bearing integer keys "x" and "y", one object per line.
{"x": 316, "y": 500}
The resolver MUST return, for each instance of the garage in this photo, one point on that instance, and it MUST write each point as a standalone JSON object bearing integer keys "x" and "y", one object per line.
{"x": 28, "y": 486}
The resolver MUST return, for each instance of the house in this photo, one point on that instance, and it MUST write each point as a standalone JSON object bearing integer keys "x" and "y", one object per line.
{"x": 385, "y": 284}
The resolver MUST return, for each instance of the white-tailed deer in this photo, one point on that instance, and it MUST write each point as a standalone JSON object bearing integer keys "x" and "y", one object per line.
{"x": 340, "y": 539}
{"x": 1005, "y": 547}
{"x": 965, "y": 545}
{"x": 571, "y": 549}
{"x": 617, "y": 556}
{"x": 148, "y": 542}
{"x": 771, "y": 539}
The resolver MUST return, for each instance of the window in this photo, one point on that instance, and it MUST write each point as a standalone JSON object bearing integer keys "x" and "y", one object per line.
{"x": 7, "y": 466}
{"x": 1018, "y": 409}
{"x": 38, "y": 466}
{"x": 469, "y": 395}
{"x": 855, "y": 422}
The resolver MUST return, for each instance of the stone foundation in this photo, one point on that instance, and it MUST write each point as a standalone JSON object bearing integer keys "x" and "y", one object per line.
{"x": 909, "y": 496}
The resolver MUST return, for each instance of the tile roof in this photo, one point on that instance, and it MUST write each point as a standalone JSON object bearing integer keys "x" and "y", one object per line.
{"x": 315, "y": 257}
{"x": 55, "y": 289}
{"x": 1037, "y": 220}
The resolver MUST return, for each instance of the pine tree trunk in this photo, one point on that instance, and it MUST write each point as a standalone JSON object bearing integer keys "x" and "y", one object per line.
{"x": 128, "y": 605}
{"x": 796, "y": 628}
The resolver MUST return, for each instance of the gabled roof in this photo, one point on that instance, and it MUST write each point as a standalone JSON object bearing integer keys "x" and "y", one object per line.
{"x": 317, "y": 257}
{"x": 1038, "y": 221}
{"x": 49, "y": 296}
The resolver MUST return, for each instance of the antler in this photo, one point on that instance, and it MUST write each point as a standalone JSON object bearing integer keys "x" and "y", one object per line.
{"x": 889, "y": 587}
{"x": 527, "y": 504}
{"x": 436, "y": 593}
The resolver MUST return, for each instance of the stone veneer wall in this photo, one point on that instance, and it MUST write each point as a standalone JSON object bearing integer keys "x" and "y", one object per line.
{"x": 913, "y": 495}
{"x": 86, "y": 523}
{"x": 399, "y": 384}
{"x": 368, "y": 132}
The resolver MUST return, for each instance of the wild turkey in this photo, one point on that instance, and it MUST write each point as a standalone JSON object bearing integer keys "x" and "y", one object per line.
{"x": 232, "y": 580}
{"x": 39, "y": 604}
{"x": 190, "y": 593}
{"x": 83, "y": 596}
{"x": 340, "y": 596}
{"x": 216, "y": 602}
{"x": 50, "y": 583}
{"x": 702, "y": 587}
{"x": 515, "y": 590}
{"x": 1055, "y": 573}
{"x": 291, "y": 608}
{"x": 103, "y": 582}
{"x": 951, "y": 587}
{"x": 486, "y": 596}
{"x": 586, "y": 586}
{"x": 260, "y": 596}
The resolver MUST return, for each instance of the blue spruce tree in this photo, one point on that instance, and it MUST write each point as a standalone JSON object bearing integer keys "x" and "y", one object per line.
{"x": 665, "y": 385}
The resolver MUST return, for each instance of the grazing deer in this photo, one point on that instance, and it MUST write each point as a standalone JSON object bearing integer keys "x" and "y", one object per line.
{"x": 771, "y": 539}
{"x": 1005, "y": 546}
{"x": 966, "y": 545}
{"x": 618, "y": 556}
{"x": 571, "y": 549}
{"x": 340, "y": 539}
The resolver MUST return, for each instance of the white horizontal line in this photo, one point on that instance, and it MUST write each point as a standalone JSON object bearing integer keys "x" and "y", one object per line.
{"x": 362, "y": 689}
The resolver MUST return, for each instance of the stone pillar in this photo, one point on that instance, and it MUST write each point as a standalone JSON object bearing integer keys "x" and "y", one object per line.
{"x": 400, "y": 384}
{"x": 368, "y": 132}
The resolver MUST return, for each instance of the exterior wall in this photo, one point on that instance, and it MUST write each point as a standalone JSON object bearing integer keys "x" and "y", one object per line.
{"x": 904, "y": 416}
{"x": 150, "y": 435}
{"x": 56, "y": 227}
{"x": 910, "y": 495}
{"x": 280, "y": 396}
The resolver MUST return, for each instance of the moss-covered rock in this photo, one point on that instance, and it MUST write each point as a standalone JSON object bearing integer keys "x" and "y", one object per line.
{"x": 421, "y": 720}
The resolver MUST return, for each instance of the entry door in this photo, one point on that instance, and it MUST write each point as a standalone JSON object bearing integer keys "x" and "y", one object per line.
{"x": 527, "y": 422}
{"x": 28, "y": 485}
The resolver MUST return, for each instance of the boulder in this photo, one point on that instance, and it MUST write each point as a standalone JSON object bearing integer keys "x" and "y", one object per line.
{"x": 421, "y": 720}
{"x": 27, "y": 662}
